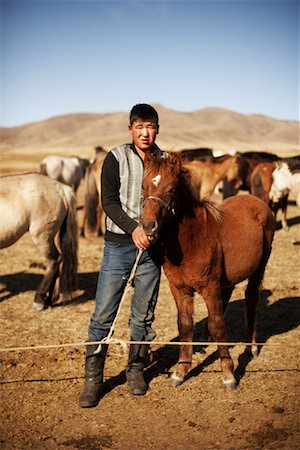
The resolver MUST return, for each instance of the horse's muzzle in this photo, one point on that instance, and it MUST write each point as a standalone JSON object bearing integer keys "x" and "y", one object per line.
{"x": 151, "y": 229}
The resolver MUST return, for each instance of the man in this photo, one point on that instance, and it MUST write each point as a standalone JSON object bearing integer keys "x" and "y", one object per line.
{"x": 122, "y": 199}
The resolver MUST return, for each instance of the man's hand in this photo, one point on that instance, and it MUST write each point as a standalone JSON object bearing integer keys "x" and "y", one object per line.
{"x": 140, "y": 238}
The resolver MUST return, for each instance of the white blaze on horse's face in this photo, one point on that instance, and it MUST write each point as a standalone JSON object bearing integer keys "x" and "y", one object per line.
{"x": 156, "y": 180}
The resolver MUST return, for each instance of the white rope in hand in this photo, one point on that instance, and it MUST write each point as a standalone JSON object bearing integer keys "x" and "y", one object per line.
{"x": 122, "y": 342}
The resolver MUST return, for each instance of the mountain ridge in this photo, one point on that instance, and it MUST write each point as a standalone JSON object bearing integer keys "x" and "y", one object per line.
{"x": 217, "y": 128}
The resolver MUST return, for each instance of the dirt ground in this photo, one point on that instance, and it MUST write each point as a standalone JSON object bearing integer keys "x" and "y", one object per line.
{"x": 40, "y": 388}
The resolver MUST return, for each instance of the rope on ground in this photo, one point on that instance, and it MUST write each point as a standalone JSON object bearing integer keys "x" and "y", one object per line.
{"x": 109, "y": 340}
{"x": 160, "y": 343}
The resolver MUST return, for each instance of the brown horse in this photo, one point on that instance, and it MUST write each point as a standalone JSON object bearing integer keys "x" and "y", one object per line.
{"x": 207, "y": 174}
{"x": 206, "y": 250}
{"x": 247, "y": 162}
{"x": 92, "y": 209}
{"x": 260, "y": 185}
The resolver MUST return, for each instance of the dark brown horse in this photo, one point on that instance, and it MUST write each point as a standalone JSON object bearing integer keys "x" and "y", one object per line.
{"x": 247, "y": 162}
{"x": 206, "y": 250}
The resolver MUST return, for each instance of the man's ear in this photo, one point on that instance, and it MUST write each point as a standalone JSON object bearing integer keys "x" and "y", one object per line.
{"x": 157, "y": 129}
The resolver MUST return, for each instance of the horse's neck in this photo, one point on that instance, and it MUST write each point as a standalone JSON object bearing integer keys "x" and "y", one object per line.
{"x": 189, "y": 209}
{"x": 290, "y": 179}
{"x": 214, "y": 173}
{"x": 183, "y": 235}
{"x": 294, "y": 181}
{"x": 219, "y": 169}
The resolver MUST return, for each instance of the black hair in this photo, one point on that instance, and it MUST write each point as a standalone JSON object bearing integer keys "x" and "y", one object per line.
{"x": 143, "y": 111}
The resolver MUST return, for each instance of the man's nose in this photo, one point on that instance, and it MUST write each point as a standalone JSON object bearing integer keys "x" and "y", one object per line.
{"x": 145, "y": 131}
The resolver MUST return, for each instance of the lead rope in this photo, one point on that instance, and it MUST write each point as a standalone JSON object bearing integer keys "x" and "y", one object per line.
{"x": 122, "y": 342}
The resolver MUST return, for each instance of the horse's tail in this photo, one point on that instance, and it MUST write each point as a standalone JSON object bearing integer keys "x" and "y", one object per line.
{"x": 91, "y": 199}
{"x": 69, "y": 243}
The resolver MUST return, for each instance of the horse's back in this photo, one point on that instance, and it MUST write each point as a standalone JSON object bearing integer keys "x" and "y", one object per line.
{"x": 52, "y": 166}
{"x": 15, "y": 216}
{"x": 247, "y": 203}
{"x": 67, "y": 170}
{"x": 30, "y": 201}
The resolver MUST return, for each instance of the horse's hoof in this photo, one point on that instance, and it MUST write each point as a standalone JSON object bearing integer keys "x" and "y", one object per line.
{"x": 176, "y": 380}
{"x": 229, "y": 384}
{"x": 38, "y": 306}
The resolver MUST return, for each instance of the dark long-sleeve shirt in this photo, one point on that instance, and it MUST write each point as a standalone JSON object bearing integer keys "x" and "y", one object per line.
{"x": 121, "y": 192}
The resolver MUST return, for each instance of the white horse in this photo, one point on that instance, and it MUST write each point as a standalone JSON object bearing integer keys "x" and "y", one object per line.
{"x": 47, "y": 210}
{"x": 285, "y": 181}
{"x": 69, "y": 170}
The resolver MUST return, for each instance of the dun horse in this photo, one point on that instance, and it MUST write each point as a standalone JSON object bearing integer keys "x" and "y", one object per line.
{"x": 46, "y": 208}
{"x": 92, "y": 209}
{"x": 207, "y": 174}
{"x": 206, "y": 250}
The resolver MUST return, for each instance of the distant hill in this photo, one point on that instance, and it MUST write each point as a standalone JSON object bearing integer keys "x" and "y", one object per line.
{"x": 219, "y": 129}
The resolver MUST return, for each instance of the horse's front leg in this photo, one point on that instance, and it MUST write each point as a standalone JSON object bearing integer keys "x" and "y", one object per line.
{"x": 217, "y": 329}
{"x": 185, "y": 308}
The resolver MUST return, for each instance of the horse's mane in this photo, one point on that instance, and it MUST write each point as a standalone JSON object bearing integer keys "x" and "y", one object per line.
{"x": 161, "y": 164}
{"x": 210, "y": 206}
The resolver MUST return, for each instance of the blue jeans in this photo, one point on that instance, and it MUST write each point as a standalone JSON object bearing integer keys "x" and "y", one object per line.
{"x": 118, "y": 261}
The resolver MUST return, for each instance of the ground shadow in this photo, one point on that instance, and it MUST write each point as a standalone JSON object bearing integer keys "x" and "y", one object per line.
{"x": 86, "y": 282}
{"x": 290, "y": 222}
{"x": 272, "y": 319}
{"x": 20, "y": 282}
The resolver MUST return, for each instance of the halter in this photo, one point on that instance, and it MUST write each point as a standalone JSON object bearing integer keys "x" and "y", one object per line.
{"x": 168, "y": 206}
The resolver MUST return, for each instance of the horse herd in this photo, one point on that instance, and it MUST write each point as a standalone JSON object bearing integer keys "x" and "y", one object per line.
{"x": 208, "y": 248}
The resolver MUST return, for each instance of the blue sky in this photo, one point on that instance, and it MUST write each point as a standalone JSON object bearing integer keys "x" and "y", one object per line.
{"x": 65, "y": 56}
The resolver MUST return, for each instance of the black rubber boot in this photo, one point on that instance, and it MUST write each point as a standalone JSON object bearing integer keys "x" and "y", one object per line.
{"x": 134, "y": 371}
{"x": 94, "y": 365}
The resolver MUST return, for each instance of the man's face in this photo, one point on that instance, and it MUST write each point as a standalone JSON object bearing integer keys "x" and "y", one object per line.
{"x": 143, "y": 134}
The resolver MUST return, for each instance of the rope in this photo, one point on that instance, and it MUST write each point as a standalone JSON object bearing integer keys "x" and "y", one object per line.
{"x": 108, "y": 338}
{"x": 118, "y": 341}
